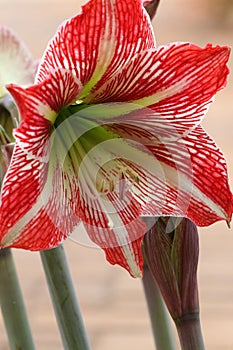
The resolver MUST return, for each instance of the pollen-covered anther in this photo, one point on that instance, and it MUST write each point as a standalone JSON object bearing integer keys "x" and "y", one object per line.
{"x": 111, "y": 185}
{"x": 101, "y": 186}
{"x": 126, "y": 172}
{"x": 105, "y": 186}
{"x": 125, "y": 177}
{"x": 134, "y": 176}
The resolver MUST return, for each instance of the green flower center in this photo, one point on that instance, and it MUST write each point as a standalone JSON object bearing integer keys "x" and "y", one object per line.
{"x": 85, "y": 148}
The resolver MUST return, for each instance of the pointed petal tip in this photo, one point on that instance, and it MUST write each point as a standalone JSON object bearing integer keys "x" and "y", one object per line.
{"x": 222, "y": 53}
{"x": 117, "y": 256}
{"x": 229, "y": 217}
{"x": 134, "y": 268}
{"x": 14, "y": 89}
{"x": 225, "y": 48}
{"x": 135, "y": 271}
{"x": 138, "y": 274}
{"x": 12, "y": 86}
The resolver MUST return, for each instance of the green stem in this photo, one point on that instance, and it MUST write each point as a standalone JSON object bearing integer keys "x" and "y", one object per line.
{"x": 189, "y": 331}
{"x": 64, "y": 300}
{"x": 12, "y": 306}
{"x": 158, "y": 314}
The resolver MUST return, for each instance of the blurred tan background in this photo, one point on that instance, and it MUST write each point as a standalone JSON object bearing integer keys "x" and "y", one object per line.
{"x": 112, "y": 303}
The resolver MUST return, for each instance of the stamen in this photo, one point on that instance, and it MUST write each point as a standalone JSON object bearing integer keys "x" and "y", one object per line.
{"x": 108, "y": 184}
{"x": 122, "y": 185}
{"x": 101, "y": 187}
{"x": 134, "y": 176}
{"x": 111, "y": 185}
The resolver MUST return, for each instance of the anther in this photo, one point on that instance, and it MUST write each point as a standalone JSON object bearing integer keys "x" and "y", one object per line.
{"x": 102, "y": 186}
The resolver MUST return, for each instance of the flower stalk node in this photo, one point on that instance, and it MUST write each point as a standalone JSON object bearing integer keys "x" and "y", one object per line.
{"x": 189, "y": 332}
{"x": 190, "y": 317}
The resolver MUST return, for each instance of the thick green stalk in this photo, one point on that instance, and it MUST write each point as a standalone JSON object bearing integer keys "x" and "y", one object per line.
{"x": 12, "y": 305}
{"x": 158, "y": 314}
{"x": 64, "y": 300}
{"x": 189, "y": 331}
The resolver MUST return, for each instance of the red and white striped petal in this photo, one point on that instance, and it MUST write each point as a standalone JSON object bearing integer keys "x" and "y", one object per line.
{"x": 112, "y": 222}
{"x": 212, "y": 199}
{"x": 176, "y": 82}
{"x": 39, "y": 106}
{"x": 116, "y": 228}
{"x": 196, "y": 179}
{"x": 97, "y": 42}
{"x": 187, "y": 177}
{"x": 183, "y": 178}
{"x": 111, "y": 176}
{"x": 38, "y": 203}
{"x": 17, "y": 64}
{"x": 40, "y": 193}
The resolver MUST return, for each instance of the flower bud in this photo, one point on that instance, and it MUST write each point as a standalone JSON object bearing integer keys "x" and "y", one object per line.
{"x": 171, "y": 252}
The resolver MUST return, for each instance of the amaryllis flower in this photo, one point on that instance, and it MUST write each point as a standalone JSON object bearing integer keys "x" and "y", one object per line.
{"x": 111, "y": 131}
{"x": 16, "y": 62}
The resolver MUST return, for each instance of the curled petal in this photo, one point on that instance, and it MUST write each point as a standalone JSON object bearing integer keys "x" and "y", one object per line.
{"x": 17, "y": 64}
{"x": 61, "y": 88}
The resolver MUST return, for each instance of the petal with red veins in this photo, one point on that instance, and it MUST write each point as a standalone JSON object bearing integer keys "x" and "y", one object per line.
{"x": 175, "y": 82}
{"x": 175, "y": 178}
{"x": 39, "y": 106}
{"x": 124, "y": 255}
{"x": 17, "y": 64}
{"x": 159, "y": 73}
{"x": 202, "y": 193}
{"x": 95, "y": 43}
{"x": 106, "y": 205}
{"x": 113, "y": 223}
{"x": 38, "y": 203}
{"x": 117, "y": 229}
{"x": 38, "y": 190}
{"x": 210, "y": 177}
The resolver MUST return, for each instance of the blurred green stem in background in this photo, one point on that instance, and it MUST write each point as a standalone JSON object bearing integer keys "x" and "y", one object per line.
{"x": 159, "y": 316}
{"x": 64, "y": 300}
{"x": 12, "y": 305}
